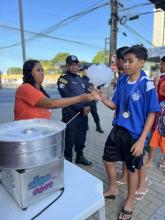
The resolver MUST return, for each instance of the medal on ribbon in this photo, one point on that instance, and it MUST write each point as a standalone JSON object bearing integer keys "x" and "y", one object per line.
{"x": 126, "y": 114}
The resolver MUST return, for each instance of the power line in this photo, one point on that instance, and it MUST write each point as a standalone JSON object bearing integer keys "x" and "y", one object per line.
{"x": 135, "y": 6}
{"x": 73, "y": 18}
{"x": 149, "y": 12}
{"x": 62, "y": 23}
{"x": 125, "y": 18}
{"x": 43, "y": 35}
{"x": 137, "y": 34}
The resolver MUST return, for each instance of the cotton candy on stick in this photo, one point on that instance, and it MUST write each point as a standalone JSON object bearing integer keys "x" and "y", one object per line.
{"x": 99, "y": 74}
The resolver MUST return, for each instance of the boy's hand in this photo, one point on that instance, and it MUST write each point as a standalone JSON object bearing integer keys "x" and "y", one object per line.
{"x": 99, "y": 95}
{"x": 137, "y": 148}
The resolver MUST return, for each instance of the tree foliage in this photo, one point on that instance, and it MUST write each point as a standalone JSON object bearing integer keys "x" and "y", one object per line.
{"x": 100, "y": 57}
{"x": 59, "y": 59}
{"x": 53, "y": 65}
{"x": 14, "y": 70}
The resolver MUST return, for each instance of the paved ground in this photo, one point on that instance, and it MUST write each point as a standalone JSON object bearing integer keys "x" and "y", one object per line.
{"x": 153, "y": 205}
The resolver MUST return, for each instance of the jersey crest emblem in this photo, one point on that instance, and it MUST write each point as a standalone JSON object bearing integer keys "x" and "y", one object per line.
{"x": 136, "y": 96}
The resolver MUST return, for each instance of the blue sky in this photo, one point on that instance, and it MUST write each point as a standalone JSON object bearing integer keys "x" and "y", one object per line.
{"x": 91, "y": 29}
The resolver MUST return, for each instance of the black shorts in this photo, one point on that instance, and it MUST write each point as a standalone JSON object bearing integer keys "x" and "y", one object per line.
{"x": 118, "y": 146}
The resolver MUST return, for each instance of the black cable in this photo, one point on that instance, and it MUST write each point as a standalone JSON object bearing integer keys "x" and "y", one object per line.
{"x": 134, "y": 6}
{"x": 133, "y": 31}
{"x": 149, "y": 12}
{"x": 137, "y": 34}
{"x": 73, "y": 18}
{"x": 60, "y": 24}
{"x": 44, "y": 209}
{"x": 44, "y": 35}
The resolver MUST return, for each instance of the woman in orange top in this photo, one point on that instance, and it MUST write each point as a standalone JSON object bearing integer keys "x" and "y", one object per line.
{"x": 32, "y": 101}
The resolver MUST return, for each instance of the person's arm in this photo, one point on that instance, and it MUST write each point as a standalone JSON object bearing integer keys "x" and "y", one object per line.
{"x": 109, "y": 103}
{"x": 100, "y": 95}
{"x": 137, "y": 148}
{"x": 63, "y": 102}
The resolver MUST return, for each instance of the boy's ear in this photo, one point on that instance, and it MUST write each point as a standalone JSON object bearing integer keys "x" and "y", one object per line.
{"x": 142, "y": 63}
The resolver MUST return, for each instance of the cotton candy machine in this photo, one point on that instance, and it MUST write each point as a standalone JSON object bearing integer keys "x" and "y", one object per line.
{"x": 31, "y": 159}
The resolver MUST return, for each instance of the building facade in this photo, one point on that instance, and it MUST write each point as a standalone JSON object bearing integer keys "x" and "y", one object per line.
{"x": 159, "y": 29}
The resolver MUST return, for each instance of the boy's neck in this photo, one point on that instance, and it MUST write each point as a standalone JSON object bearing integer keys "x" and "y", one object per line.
{"x": 134, "y": 77}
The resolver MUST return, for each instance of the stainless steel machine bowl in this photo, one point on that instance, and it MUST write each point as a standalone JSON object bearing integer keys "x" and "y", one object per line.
{"x": 30, "y": 143}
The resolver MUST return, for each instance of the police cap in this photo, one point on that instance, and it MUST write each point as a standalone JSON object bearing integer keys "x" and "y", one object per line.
{"x": 72, "y": 59}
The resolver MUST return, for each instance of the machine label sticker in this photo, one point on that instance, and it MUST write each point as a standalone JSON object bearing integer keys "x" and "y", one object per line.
{"x": 40, "y": 184}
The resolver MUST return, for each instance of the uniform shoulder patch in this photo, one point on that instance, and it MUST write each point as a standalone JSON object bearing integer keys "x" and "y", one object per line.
{"x": 64, "y": 81}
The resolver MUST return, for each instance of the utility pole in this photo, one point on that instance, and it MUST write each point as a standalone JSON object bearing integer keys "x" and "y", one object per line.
{"x": 113, "y": 24}
{"x": 22, "y": 30}
{"x": 106, "y": 50}
{"x": 113, "y": 36}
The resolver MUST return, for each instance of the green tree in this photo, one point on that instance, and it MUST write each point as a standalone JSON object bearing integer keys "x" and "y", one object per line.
{"x": 14, "y": 70}
{"x": 59, "y": 59}
{"x": 83, "y": 62}
{"x": 46, "y": 63}
{"x": 48, "y": 66}
{"x": 100, "y": 57}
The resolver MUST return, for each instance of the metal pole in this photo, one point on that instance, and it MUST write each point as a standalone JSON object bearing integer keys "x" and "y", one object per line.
{"x": 106, "y": 51}
{"x": 22, "y": 30}
{"x": 113, "y": 34}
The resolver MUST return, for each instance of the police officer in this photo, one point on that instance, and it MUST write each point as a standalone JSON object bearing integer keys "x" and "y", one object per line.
{"x": 69, "y": 85}
{"x": 93, "y": 103}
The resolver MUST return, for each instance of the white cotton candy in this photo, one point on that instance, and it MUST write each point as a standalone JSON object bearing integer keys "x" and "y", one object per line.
{"x": 100, "y": 74}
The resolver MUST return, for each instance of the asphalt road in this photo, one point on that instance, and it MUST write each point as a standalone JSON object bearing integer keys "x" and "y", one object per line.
{"x": 8, "y": 95}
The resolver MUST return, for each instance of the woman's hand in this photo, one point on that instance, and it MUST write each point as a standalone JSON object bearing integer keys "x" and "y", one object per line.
{"x": 137, "y": 148}
{"x": 87, "y": 97}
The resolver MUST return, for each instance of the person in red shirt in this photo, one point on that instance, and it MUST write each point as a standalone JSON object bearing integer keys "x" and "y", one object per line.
{"x": 32, "y": 101}
{"x": 161, "y": 97}
{"x": 161, "y": 84}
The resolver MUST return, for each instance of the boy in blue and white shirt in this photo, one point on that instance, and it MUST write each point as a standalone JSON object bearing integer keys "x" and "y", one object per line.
{"x": 135, "y": 103}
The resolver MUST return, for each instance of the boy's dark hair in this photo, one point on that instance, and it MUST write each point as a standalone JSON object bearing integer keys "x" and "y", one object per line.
{"x": 139, "y": 51}
{"x": 120, "y": 52}
{"x": 27, "y": 74}
{"x": 163, "y": 59}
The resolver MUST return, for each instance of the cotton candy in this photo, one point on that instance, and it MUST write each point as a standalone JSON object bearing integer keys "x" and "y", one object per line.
{"x": 100, "y": 74}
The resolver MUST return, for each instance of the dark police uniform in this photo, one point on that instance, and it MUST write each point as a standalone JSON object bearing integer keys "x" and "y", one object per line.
{"x": 70, "y": 85}
{"x": 93, "y": 106}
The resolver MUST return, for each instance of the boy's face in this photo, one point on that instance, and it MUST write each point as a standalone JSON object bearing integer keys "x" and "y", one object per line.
{"x": 162, "y": 67}
{"x": 132, "y": 64}
{"x": 120, "y": 64}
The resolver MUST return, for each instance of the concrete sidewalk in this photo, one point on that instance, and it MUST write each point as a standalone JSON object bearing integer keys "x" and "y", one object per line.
{"x": 153, "y": 205}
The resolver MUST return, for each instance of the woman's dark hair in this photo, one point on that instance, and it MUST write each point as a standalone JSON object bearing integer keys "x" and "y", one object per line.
{"x": 27, "y": 74}
{"x": 139, "y": 51}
